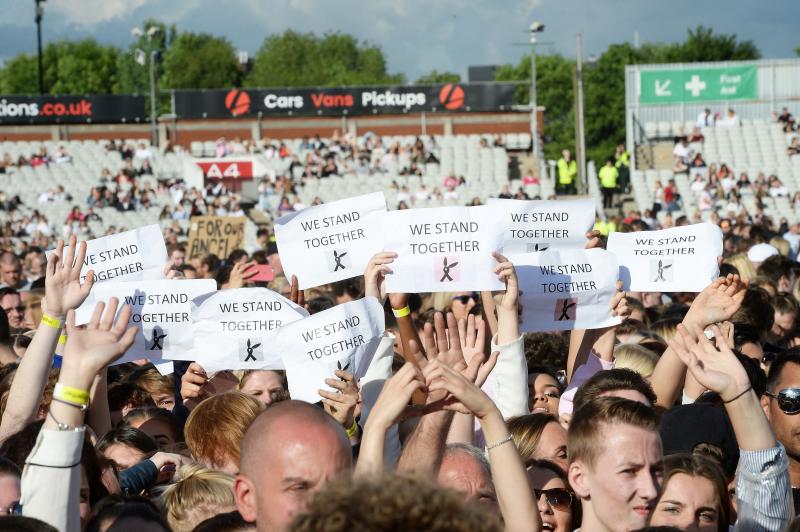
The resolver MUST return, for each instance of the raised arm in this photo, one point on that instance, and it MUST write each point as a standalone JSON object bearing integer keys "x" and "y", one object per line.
{"x": 763, "y": 488}
{"x": 51, "y": 478}
{"x": 63, "y": 292}
{"x": 514, "y": 496}
{"x": 390, "y": 405}
{"x": 716, "y": 303}
{"x": 425, "y": 448}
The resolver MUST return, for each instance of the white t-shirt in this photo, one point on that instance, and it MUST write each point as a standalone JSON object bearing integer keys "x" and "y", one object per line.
{"x": 681, "y": 151}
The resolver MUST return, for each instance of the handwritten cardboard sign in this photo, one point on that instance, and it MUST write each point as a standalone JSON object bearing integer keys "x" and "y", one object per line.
{"x": 218, "y": 235}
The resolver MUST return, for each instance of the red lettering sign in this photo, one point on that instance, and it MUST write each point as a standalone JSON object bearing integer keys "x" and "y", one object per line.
{"x": 321, "y": 99}
{"x": 222, "y": 169}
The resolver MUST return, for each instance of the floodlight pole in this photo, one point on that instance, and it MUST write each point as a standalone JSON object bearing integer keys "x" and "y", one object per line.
{"x": 153, "y": 121}
{"x": 580, "y": 145}
{"x": 38, "y": 19}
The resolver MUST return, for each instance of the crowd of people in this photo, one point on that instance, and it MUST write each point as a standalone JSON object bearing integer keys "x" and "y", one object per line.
{"x": 680, "y": 418}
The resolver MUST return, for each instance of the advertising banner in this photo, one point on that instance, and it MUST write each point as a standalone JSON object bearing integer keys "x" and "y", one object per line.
{"x": 98, "y": 108}
{"x": 460, "y": 97}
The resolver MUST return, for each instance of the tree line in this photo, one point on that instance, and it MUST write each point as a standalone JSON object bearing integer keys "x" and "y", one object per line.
{"x": 188, "y": 60}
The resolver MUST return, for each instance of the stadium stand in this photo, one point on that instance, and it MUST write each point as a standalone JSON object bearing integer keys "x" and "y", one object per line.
{"x": 127, "y": 183}
{"x": 744, "y": 168}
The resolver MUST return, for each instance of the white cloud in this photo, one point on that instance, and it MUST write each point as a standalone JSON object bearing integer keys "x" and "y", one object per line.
{"x": 88, "y": 13}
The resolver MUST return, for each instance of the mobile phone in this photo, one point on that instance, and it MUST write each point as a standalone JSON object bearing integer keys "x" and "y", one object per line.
{"x": 264, "y": 273}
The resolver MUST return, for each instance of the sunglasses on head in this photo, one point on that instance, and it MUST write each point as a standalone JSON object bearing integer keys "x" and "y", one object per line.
{"x": 788, "y": 400}
{"x": 558, "y": 498}
{"x": 465, "y": 299}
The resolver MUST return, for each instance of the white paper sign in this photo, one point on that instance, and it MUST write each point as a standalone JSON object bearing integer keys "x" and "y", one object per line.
{"x": 135, "y": 255}
{"x": 235, "y": 328}
{"x": 566, "y": 289}
{"x": 538, "y": 225}
{"x": 681, "y": 259}
{"x": 345, "y": 336}
{"x": 446, "y": 249}
{"x": 161, "y": 312}
{"x": 330, "y": 242}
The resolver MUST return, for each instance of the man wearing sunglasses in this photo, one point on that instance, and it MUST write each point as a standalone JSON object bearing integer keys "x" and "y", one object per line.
{"x": 781, "y": 403}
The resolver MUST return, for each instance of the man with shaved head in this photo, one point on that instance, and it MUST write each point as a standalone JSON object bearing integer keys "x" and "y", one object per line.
{"x": 289, "y": 452}
{"x": 11, "y": 272}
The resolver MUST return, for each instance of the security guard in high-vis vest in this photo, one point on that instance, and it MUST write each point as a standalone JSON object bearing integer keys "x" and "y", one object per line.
{"x": 604, "y": 226}
{"x": 567, "y": 174}
{"x": 608, "y": 183}
{"x": 623, "y": 165}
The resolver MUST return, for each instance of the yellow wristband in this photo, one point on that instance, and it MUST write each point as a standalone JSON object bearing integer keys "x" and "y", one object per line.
{"x": 71, "y": 395}
{"x": 62, "y": 339}
{"x": 352, "y": 431}
{"x": 401, "y": 312}
{"x": 50, "y": 321}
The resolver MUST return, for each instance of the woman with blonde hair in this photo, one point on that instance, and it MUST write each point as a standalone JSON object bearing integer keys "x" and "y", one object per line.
{"x": 743, "y": 265}
{"x": 540, "y": 437}
{"x": 782, "y": 245}
{"x": 635, "y": 357}
{"x": 33, "y": 310}
{"x": 216, "y": 427}
{"x": 197, "y": 494}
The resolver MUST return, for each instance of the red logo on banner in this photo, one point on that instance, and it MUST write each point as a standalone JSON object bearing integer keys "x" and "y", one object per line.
{"x": 237, "y": 102}
{"x": 452, "y": 96}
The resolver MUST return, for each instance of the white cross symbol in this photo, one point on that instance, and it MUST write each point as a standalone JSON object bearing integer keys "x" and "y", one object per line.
{"x": 695, "y": 86}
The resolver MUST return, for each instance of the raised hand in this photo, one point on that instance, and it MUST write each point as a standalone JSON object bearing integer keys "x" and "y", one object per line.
{"x": 717, "y": 302}
{"x": 101, "y": 342}
{"x": 594, "y": 239}
{"x": 619, "y": 303}
{"x": 437, "y": 344}
{"x": 506, "y": 299}
{"x": 240, "y": 273}
{"x": 461, "y": 394}
{"x": 63, "y": 288}
{"x": 714, "y": 367}
{"x": 375, "y": 274}
{"x": 343, "y": 404}
{"x": 472, "y": 337}
{"x": 192, "y": 382}
{"x": 394, "y": 397}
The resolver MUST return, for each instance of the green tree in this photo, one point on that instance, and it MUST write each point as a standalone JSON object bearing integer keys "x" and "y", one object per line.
{"x": 295, "y": 59}
{"x": 70, "y": 67}
{"x": 435, "y": 77}
{"x": 134, "y": 78}
{"x": 200, "y": 61}
{"x": 554, "y": 91}
{"x": 797, "y": 51}
{"x": 703, "y": 45}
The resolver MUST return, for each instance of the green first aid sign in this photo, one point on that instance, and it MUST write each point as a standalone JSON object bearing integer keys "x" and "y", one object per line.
{"x": 698, "y": 85}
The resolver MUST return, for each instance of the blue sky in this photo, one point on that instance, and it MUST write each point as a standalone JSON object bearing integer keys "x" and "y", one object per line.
{"x": 416, "y": 35}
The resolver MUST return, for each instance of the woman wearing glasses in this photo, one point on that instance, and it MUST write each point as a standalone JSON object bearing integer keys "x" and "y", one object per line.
{"x": 557, "y": 505}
